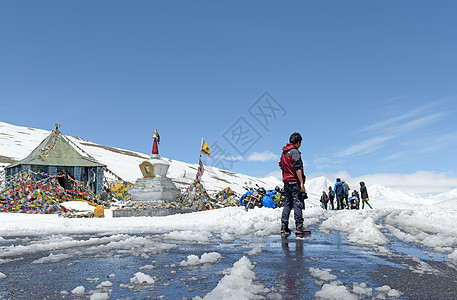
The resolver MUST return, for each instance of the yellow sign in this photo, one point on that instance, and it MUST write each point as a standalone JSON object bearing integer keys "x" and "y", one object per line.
{"x": 99, "y": 212}
{"x": 147, "y": 169}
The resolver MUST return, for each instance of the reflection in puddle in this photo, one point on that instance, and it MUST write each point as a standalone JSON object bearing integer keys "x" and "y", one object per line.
{"x": 282, "y": 265}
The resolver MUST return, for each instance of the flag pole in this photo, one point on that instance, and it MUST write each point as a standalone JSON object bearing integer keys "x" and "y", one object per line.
{"x": 200, "y": 157}
{"x": 199, "y": 160}
{"x": 205, "y": 150}
{"x": 198, "y": 170}
{"x": 201, "y": 147}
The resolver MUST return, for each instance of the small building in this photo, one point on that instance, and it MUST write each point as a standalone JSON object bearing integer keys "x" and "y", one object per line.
{"x": 55, "y": 156}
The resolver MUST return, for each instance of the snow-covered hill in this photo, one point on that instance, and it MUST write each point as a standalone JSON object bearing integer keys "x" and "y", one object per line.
{"x": 315, "y": 186}
{"x": 446, "y": 200}
{"x": 16, "y": 142}
{"x": 392, "y": 198}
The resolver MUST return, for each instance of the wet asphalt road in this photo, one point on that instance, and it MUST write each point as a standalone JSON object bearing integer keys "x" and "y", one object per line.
{"x": 282, "y": 266}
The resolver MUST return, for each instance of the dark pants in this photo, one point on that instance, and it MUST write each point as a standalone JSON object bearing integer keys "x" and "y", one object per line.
{"x": 331, "y": 203}
{"x": 339, "y": 201}
{"x": 292, "y": 190}
{"x": 324, "y": 205}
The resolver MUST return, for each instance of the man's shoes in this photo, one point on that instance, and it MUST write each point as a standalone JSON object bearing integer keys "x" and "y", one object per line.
{"x": 285, "y": 230}
{"x": 301, "y": 231}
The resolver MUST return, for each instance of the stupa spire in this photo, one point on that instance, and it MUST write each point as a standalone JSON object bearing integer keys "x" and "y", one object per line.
{"x": 155, "y": 148}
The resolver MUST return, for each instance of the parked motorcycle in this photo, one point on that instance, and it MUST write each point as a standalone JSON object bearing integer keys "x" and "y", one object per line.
{"x": 253, "y": 197}
{"x": 280, "y": 196}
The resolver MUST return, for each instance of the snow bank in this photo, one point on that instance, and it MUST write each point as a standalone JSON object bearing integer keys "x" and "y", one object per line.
{"x": 188, "y": 235}
{"x": 68, "y": 242}
{"x": 134, "y": 245}
{"x": 432, "y": 228}
{"x": 52, "y": 258}
{"x": 359, "y": 225}
{"x": 367, "y": 233}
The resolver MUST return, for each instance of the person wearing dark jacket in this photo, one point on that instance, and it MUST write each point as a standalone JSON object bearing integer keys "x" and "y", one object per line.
{"x": 364, "y": 194}
{"x": 331, "y": 196}
{"x": 339, "y": 193}
{"x": 294, "y": 178}
{"x": 324, "y": 200}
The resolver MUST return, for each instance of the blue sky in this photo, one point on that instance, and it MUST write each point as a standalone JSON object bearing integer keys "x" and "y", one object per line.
{"x": 371, "y": 86}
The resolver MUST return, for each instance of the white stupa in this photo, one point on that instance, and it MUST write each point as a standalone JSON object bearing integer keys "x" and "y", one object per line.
{"x": 155, "y": 186}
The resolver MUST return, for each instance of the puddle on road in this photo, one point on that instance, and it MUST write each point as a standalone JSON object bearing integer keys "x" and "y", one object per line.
{"x": 282, "y": 266}
{"x": 291, "y": 259}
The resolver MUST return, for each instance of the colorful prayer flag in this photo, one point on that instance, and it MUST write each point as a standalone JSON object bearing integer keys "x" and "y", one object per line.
{"x": 205, "y": 148}
{"x": 201, "y": 169}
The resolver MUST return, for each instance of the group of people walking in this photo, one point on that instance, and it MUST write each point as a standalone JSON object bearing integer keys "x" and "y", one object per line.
{"x": 341, "y": 193}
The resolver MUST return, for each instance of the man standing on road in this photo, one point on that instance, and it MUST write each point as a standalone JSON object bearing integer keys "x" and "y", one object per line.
{"x": 339, "y": 193}
{"x": 294, "y": 178}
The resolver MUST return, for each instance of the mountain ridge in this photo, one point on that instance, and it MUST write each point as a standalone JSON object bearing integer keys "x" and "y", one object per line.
{"x": 16, "y": 142}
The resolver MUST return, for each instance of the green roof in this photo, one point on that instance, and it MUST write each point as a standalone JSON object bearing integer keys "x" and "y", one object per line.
{"x": 55, "y": 150}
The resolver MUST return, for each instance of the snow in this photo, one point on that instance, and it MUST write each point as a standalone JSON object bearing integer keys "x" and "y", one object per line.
{"x": 99, "y": 296}
{"x": 147, "y": 267}
{"x": 420, "y": 226}
{"x": 362, "y": 290}
{"x": 188, "y": 235}
{"x": 106, "y": 284}
{"x": 254, "y": 251}
{"x": 431, "y": 228}
{"x": 141, "y": 278}
{"x": 429, "y": 222}
{"x": 238, "y": 283}
{"x": 367, "y": 233}
{"x": 335, "y": 289}
{"x": 17, "y": 142}
{"x": 323, "y": 275}
{"x": 78, "y": 291}
{"x": 193, "y": 260}
{"x": 79, "y": 205}
{"x": 453, "y": 255}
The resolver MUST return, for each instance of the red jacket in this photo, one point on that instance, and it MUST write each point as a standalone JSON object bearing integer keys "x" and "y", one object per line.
{"x": 290, "y": 163}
